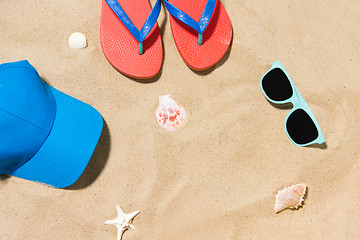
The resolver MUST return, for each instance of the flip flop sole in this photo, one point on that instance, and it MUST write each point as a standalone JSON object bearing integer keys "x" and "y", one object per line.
{"x": 216, "y": 38}
{"x": 122, "y": 49}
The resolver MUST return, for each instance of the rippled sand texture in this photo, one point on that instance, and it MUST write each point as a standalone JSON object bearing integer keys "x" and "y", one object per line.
{"x": 216, "y": 177}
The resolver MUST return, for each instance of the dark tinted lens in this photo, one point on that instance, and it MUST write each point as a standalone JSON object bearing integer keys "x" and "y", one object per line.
{"x": 301, "y": 128}
{"x": 276, "y": 85}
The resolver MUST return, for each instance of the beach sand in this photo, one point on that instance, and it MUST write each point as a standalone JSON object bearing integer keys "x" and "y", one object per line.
{"x": 216, "y": 177}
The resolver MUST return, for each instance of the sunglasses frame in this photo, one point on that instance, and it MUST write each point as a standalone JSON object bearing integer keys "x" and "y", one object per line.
{"x": 298, "y": 102}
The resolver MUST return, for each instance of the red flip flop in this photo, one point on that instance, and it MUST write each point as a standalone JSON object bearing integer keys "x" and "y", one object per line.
{"x": 135, "y": 53}
{"x": 204, "y": 42}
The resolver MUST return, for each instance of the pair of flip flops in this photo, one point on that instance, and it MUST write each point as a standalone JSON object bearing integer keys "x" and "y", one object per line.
{"x": 139, "y": 54}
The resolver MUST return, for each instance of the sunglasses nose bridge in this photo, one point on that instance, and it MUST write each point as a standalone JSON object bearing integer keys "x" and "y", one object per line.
{"x": 289, "y": 114}
{"x": 295, "y": 101}
{"x": 321, "y": 138}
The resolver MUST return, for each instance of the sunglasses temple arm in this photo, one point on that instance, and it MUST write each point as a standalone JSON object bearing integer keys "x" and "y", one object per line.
{"x": 300, "y": 100}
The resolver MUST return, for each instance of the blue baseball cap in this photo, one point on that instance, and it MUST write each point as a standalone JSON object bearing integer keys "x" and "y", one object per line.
{"x": 45, "y": 135}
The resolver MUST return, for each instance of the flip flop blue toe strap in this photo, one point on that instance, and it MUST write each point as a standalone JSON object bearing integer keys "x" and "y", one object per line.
{"x": 185, "y": 18}
{"x": 148, "y": 25}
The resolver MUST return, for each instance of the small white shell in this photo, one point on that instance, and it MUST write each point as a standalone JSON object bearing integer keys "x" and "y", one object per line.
{"x": 170, "y": 114}
{"x": 291, "y": 197}
{"x": 77, "y": 40}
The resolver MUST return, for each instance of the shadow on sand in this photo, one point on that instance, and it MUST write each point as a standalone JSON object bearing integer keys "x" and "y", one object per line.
{"x": 96, "y": 163}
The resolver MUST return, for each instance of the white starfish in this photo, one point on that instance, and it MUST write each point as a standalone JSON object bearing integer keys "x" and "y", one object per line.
{"x": 123, "y": 221}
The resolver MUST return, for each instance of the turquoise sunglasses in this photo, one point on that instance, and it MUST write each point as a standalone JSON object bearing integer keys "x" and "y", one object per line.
{"x": 300, "y": 124}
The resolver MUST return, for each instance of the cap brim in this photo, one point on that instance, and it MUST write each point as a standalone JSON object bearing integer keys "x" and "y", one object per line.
{"x": 66, "y": 152}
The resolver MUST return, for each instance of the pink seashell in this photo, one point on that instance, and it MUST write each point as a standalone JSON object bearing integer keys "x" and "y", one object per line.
{"x": 170, "y": 114}
{"x": 291, "y": 197}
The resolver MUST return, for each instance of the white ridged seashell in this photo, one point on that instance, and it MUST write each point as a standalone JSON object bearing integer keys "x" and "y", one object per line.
{"x": 77, "y": 40}
{"x": 170, "y": 114}
{"x": 290, "y": 197}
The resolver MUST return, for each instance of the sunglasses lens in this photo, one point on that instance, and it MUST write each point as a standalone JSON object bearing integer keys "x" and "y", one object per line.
{"x": 276, "y": 85}
{"x": 301, "y": 128}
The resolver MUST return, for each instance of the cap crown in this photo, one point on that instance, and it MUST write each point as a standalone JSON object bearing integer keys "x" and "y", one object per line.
{"x": 27, "y": 113}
